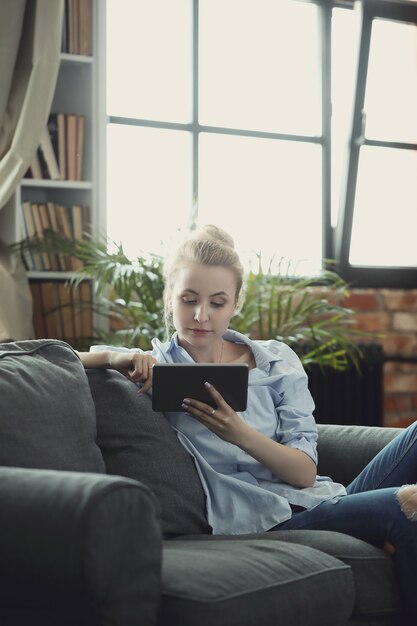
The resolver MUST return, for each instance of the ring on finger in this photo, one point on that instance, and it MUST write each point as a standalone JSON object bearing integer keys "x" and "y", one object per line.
{"x": 212, "y": 412}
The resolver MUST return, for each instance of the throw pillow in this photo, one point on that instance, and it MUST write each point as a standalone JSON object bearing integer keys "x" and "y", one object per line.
{"x": 47, "y": 417}
{"x": 138, "y": 443}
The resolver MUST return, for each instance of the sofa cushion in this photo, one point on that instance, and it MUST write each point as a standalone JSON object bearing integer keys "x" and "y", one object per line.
{"x": 253, "y": 581}
{"x": 373, "y": 570}
{"x": 47, "y": 416}
{"x": 138, "y": 443}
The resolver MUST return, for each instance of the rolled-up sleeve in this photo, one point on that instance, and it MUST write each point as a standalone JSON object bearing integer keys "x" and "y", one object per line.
{"x": 296, "y": 426}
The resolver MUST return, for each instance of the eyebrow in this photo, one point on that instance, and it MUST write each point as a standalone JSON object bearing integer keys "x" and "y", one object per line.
{"x": 212, "y": 295}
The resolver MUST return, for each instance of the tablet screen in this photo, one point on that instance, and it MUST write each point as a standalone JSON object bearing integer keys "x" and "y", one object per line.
{"x": 172, "y": 382}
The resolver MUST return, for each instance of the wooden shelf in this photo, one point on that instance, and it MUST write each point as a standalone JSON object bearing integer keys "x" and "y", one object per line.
{"x": 57, "y": 184}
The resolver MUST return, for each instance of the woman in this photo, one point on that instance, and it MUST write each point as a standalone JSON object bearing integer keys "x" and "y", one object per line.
{"x": 258, "y": 467}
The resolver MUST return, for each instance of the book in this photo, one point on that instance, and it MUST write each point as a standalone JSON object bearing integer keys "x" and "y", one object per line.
{"x": 51, "y": 309}
{"x": 39, "y": 322}
{"x": 55, "y": 133}
{"x": 65, "y": 29}
{"x": 46, "y": 225}
{"x": 71, "y": 145}
{"x": 73, "y": 29}
{"x": 86, "y": 221}
{"x": 85, "y": 27}
{"x": 78, "y": 231}
{"x": 66, "y": 303}
{"x": 79, "y": 148}
{"x": 37, "y": 221}
{"x": 28, "y": 231}
{"x": 62, "y": 156}
{"x": 49, "y": 155}
{"x": 64, "y": 224}
{"x": 55, "y": 228}
{"x": 86, "y": 309}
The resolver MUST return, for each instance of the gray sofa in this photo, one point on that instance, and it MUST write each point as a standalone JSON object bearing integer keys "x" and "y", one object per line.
{"x": 102, "y": 517}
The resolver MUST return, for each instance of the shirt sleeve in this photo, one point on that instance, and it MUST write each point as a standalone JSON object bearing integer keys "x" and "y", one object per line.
{"x": 296, "y": 426}
{"x": 100, "y": 348}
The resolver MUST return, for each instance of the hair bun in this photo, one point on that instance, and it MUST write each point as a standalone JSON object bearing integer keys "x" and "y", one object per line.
{"x": 214, "y": 233}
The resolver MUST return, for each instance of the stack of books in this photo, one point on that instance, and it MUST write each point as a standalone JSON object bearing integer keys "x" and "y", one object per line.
{"x": 76, "y": 30}
{"x": 60, "y": 154}
{"x": 62, "y": 311}
{"x": 70, "y": 222}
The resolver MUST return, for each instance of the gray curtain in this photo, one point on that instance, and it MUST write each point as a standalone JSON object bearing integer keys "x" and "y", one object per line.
{"x": 30, "y": 44}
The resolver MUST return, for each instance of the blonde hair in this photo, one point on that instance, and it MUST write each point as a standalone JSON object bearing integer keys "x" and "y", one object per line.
{"x": 210, "y": 245}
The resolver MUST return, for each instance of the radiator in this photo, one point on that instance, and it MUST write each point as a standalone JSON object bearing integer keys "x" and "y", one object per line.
{"x": 350, "y": 397}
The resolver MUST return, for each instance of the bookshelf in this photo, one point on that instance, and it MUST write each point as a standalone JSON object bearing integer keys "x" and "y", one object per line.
{"x": 60, "y": 311}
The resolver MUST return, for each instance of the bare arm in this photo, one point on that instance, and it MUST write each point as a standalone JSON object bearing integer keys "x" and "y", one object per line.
{"x": 291, "y": 465}
{"x": 95, "y": 359}
{"x": 135, "y": 366}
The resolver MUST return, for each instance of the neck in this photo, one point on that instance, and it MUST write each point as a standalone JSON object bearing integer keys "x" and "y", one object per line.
{"x": 212, "y": 354}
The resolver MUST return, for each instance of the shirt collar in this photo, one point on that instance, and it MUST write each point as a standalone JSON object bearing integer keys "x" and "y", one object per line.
{"x": 264, "y": 356}
{"x": 262, "y": 352}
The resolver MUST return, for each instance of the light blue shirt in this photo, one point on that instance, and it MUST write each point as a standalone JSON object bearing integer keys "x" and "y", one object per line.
{"x": 243, "y": 496}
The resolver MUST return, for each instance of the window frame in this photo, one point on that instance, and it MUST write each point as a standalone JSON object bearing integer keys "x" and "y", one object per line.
{"x": 335, "y": 240}
{"x": 358, "y": 275}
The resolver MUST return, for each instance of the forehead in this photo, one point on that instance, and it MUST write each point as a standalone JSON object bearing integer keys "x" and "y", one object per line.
{"x": 206, "y": 279}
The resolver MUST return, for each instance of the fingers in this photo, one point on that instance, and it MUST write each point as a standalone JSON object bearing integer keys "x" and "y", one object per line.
{"x": 144, "y": 372}
{"x": 203, "y": 413}
{"x": 217, "y": 418}
{"x": 198, "y": 409}
{"x": 141, "y": 367}
{"x": 146, "y": 385}
{"x": 217, "y": 397}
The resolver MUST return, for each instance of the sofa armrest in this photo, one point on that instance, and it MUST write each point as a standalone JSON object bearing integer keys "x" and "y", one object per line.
{"x": 344, "y": 451}
{"x": 80, "y": 544}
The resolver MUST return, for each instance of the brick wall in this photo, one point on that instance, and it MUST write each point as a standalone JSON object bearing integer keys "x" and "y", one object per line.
{"x": 393, "y": 313}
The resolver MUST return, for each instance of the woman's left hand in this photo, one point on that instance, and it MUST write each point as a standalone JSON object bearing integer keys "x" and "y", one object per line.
{"x": 223, "y": 420}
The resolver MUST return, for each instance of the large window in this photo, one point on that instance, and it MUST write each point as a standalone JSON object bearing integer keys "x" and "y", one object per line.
{"x": 377, "y": 224}
{"x": 239, "y": 113}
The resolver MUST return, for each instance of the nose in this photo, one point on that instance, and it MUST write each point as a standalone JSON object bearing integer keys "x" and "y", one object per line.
{"x": 201, "y": 314}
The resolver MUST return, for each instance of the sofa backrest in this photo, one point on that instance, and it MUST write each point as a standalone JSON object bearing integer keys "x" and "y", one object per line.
{"x": 137, "y": 442}
{"x": 344, "y": 451}
{"x": 47, "y": 416}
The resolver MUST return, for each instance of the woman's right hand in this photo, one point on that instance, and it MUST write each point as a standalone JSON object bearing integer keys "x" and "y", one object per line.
{"x": 135, "y": 366}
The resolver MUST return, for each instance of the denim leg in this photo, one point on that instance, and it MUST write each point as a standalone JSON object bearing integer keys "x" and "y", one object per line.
{"x": 394, "y": 466}
{"x": 375, "y": 517}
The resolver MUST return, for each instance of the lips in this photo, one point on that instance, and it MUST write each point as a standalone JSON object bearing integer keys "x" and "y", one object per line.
{"x": 200, "y": 331}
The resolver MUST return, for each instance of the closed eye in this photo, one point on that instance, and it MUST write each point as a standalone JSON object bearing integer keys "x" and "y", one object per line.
{"x": 187, "y": 301}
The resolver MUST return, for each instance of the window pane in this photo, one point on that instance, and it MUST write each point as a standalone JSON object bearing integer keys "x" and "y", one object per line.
{"x": 385, "y": 218}
{"x": 149, "y": 52}
{"x": 149, "y": 186}
{"x": 344, "y": 52}
{"x": 391, "y": 91}
{"x": 259, "y": 65}
{"x": 266, "y": 193}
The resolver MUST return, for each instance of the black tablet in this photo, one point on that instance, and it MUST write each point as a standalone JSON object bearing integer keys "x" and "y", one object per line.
{"x": 172, "y": 382}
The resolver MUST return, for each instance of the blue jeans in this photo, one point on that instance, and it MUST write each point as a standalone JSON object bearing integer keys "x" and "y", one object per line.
{"x": 371, "y": 511}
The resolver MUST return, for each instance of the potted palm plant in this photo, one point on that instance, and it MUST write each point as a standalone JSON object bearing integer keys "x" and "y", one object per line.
{"x": 306, "y": 313}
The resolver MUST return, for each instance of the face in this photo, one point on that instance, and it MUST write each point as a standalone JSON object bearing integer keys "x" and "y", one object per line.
{"x": 202, "y": 301}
